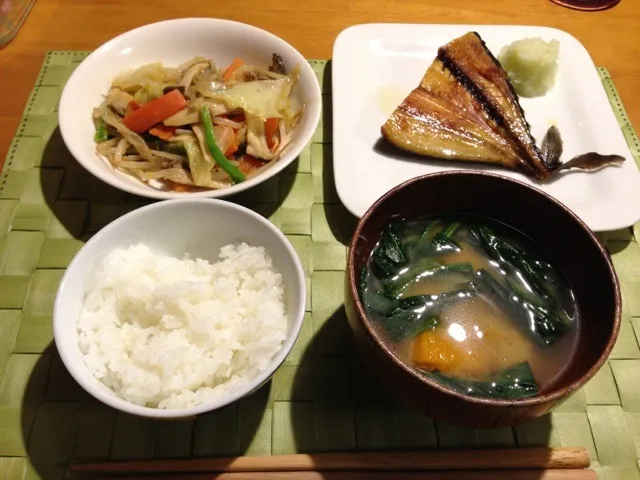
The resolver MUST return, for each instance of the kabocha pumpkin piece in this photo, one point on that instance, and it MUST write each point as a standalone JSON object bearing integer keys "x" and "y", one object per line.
{"x": 433, "y": 351}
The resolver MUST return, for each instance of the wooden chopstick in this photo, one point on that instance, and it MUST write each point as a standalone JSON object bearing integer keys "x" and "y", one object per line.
{"x": 566, "y": 474}
{"x": 487, "y": 459}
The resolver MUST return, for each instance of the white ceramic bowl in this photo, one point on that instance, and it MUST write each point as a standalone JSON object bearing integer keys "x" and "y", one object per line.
{"x": 173, "y": 42}
{"x": 198, "y": 227}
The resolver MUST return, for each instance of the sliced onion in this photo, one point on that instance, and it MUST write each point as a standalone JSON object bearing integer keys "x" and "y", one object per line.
{"x": 256, "y": 138}
{"x": 241, "y": 135}
{"x": 118, "y": 100}
{"x": 224, "y": 137}
{"x": 219, "y": 174}
{"x": 191, "y": 62}
{"x": 227, "y": 122}
{"x": 186, "y": 116}
{"x": 285, "y": 139}
{"x": 215, "y": 108}
{"x": 182, "y": 177}
{"x": 197, "y": 130}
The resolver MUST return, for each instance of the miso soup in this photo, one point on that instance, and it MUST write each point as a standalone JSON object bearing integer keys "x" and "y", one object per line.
{"x": 472, "y": 303}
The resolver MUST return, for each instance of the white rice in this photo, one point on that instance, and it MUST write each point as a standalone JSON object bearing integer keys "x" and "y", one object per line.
{"x": 170, "y": 333}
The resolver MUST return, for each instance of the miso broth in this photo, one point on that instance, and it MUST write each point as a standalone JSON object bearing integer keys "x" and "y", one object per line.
{"x": 473, "y": 303}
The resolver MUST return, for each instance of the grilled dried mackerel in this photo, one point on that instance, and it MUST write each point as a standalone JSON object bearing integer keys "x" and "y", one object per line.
{"x": 477, "y": 69}
{"x": 428, "y": 122}
{"x": 465, "y": 108}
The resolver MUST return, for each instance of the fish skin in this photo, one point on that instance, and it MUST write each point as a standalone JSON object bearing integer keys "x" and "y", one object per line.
{"x": 442, "y": 119}
{"x": 478, "y": 70}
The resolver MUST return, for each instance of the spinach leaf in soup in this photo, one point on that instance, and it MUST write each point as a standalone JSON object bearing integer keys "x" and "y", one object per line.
{"x": 510, "y": 384}
{"x": 437, "y": 239}
{"x": 423, "y": 269}
{"x": 389, "y": 254}
{"x": 374, "y": 301}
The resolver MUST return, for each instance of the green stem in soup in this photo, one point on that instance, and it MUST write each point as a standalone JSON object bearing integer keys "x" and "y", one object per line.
{"x": 424, "y": 241}
{"x": 425, "y": 268}
{"x": 443, "y": 242}
{"x": 510, "y": 384}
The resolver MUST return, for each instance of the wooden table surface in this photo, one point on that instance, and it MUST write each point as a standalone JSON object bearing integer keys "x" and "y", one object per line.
{"x": 612, "y": 37}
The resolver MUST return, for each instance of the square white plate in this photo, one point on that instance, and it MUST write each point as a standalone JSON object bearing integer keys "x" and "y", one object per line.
{"x": 375, "y": 66}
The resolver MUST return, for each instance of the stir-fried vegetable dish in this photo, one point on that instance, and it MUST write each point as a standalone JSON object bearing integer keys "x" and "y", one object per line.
{"x": 197, "y": 126}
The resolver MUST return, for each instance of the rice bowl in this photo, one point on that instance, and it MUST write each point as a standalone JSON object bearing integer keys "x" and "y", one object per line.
{"x": 209, "y": 234}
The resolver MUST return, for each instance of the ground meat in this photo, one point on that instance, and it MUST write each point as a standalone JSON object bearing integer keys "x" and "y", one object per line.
{"x": 277, "y": 65}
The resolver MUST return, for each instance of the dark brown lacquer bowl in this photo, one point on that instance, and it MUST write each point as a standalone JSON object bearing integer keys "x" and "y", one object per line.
{"x": 572, "y": 245}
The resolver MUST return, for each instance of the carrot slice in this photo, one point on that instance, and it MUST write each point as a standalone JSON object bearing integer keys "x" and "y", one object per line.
{"x": 163, "y": 132}
{"x": 249, "y": 163}
{"x": 132, "y": 107}
{"x": 270, "y": 129}
{"x": 155, "y": 111}
{"x": 237, "y": 63}
{"x": 233, "y": 148}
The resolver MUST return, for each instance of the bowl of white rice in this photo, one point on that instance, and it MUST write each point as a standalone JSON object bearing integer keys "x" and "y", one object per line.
{"x": 179, "y": 308}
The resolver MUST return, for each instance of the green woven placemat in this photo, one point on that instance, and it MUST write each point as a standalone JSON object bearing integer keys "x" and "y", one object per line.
{"x": 320, "y": 400}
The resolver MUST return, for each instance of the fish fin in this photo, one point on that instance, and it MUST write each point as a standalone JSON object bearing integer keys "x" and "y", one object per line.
{"x": 552, "y": 148}
{"x": 592, "y": 161}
